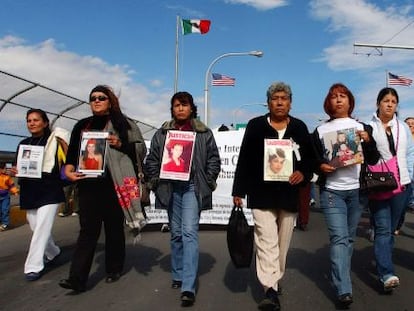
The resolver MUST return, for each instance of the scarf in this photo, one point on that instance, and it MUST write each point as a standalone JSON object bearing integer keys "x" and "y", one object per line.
{"x": 52, "y": 146}
{"x": 125, "y": 180}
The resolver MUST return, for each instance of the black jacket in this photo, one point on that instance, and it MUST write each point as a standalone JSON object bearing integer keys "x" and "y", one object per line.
{"x": 205, "y": 166}
{"x": 248, "y": 179}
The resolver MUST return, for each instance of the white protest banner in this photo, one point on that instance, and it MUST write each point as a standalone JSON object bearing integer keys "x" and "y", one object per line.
{"x": 228, "y": 144}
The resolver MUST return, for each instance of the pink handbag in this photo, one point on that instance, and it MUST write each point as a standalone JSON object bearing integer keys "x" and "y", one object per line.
{"x": 391, "y": 166}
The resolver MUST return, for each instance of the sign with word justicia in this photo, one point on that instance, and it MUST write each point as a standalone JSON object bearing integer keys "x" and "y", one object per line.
{"x": 228, "y": 144}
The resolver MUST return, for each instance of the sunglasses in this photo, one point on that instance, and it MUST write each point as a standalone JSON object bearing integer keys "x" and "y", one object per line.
{"x": 99, "y": 98}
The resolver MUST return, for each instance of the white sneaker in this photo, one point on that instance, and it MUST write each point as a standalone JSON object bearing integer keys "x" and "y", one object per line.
{"x": 4, "y": 227}
{"x": 371, "y": 234}
{"x": 75, "y": 214}
{"x": 165, "y": 228}
{"x": 391, "y": 283}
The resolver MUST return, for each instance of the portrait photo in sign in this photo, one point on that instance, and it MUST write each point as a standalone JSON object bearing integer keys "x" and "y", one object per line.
{"x": 278, "y": 162}
{"x": 177, "y": 155}
{"x": 92, "y": 152}
{"x": 342, "y": 147}
{"x": 30, "y": 161}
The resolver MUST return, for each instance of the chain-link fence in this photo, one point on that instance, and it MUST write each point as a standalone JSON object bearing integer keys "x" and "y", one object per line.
{"x": 17, "y": 95}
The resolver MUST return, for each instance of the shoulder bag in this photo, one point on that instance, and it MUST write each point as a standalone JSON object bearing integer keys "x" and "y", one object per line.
{"x": 382, "y": 180}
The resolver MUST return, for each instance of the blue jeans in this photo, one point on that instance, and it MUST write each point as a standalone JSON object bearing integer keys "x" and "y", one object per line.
{"x": 184, "y": 216}
{"x": 386, "y": 215}
{"x": 342, "y": 212}
{"x": 410, "y": 203}
{"x": 5, "y": 209}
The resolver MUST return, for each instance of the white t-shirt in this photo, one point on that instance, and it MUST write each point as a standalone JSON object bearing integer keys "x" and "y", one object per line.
{"x": 344, "y": 178}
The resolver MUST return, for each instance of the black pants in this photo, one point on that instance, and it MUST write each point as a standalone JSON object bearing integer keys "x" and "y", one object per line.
{"x": 98, "y": 203}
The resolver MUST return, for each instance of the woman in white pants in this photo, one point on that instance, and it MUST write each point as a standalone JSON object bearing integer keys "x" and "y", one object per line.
{"x": 40, "y": 197}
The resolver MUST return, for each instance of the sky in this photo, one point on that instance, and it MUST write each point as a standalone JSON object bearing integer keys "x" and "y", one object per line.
{"x": 71, "y": 46}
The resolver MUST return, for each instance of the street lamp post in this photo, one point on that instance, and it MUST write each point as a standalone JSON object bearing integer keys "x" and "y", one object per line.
{"x": 244, "y": 105}
{"x": 208, "y": 72}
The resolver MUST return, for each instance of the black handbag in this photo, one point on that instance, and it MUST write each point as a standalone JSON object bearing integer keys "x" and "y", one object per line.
{"x": 240, "y": 238}
{"x": 373, "y": 182}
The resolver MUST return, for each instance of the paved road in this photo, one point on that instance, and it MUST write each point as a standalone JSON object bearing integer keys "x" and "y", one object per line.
{"x": 146, "y": 282}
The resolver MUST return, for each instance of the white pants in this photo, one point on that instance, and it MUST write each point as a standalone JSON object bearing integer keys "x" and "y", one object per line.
{"x": 272, "y": 234}
{"x": 41, "y": 222}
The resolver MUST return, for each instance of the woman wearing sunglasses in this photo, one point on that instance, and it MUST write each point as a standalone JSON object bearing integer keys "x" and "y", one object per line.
{"x": 104, "y": 199}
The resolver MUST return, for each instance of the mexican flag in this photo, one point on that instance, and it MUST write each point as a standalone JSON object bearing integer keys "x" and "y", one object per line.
{"x": 201, "y": 26}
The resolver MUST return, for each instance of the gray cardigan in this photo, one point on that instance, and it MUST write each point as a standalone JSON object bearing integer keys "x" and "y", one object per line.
{"x": 204, "y": 169}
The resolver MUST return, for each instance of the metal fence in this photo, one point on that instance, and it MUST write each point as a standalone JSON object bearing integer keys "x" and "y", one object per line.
{"x": 18, "y": 94}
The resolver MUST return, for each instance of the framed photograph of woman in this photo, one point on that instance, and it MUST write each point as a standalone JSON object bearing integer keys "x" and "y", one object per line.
{"x": 177, "y": 155}
{"x": 92, "y": 153}
{"x": 278, "y": 159}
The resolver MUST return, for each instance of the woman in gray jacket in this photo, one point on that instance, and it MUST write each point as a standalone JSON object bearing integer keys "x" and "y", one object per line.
{"x": 184, "y": 194}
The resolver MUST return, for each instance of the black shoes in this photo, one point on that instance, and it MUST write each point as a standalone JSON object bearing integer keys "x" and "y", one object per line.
{"x": 271, "y": 302}
{"x": 33, "y": 276}
{"x": 113, "y": 277}
{"x": 301, "y": 227}
{"x": 73, "y": 285}
{"x": 53, "y": 261}
{"x": 176, "y": 284}
{"x": 187, "y": 299}
{"x": 345, "y": 300}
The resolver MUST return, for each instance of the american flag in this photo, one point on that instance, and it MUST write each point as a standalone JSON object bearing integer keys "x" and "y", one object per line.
{"x": 222, "y": 80}
{"x": 398, "y": 80}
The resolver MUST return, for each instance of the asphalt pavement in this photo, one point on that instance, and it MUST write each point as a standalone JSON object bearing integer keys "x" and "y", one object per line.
{"x": 146, "y": 281}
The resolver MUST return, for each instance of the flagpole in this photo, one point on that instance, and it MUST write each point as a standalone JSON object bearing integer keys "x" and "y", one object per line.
{"x": 386, "y": 78}
{"x": 176, "y": 56}
{"x": 208, "y": 72}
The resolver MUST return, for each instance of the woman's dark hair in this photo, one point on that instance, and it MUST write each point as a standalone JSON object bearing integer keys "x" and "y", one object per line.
{"x": 186, "y": 98}
{"x": 118, "y": 120}
{"x": 279, "y": 153}
{"x": 98, "y": 149}
{"x": 44, "y": 117}
{"x": 338, "y": 88}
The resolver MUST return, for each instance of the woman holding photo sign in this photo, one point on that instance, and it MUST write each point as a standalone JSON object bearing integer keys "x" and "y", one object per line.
{"x": 339, "y": 184}
{"x": 40, "y": 195}
{"x": 109, "y": 196}
{"x": 184, "y": 195}
{"x": 272, "y": 196}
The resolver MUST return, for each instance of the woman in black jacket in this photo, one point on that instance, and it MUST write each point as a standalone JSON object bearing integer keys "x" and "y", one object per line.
{"x": 274, "y": 203}
{"x": 184, "y": 198}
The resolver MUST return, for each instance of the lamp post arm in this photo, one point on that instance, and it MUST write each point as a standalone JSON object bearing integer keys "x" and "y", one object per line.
{"x": 242, "y": 106}
{"x": 208, "y": 72}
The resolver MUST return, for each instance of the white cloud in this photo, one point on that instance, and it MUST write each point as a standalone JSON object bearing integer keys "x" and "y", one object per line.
{"x": 260, "y": 4}
{"x": 156, "y": 83}
{"x": 363, "y": 22}
{"x": 76, "y": 75}
{"x": 10, "y": 41}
